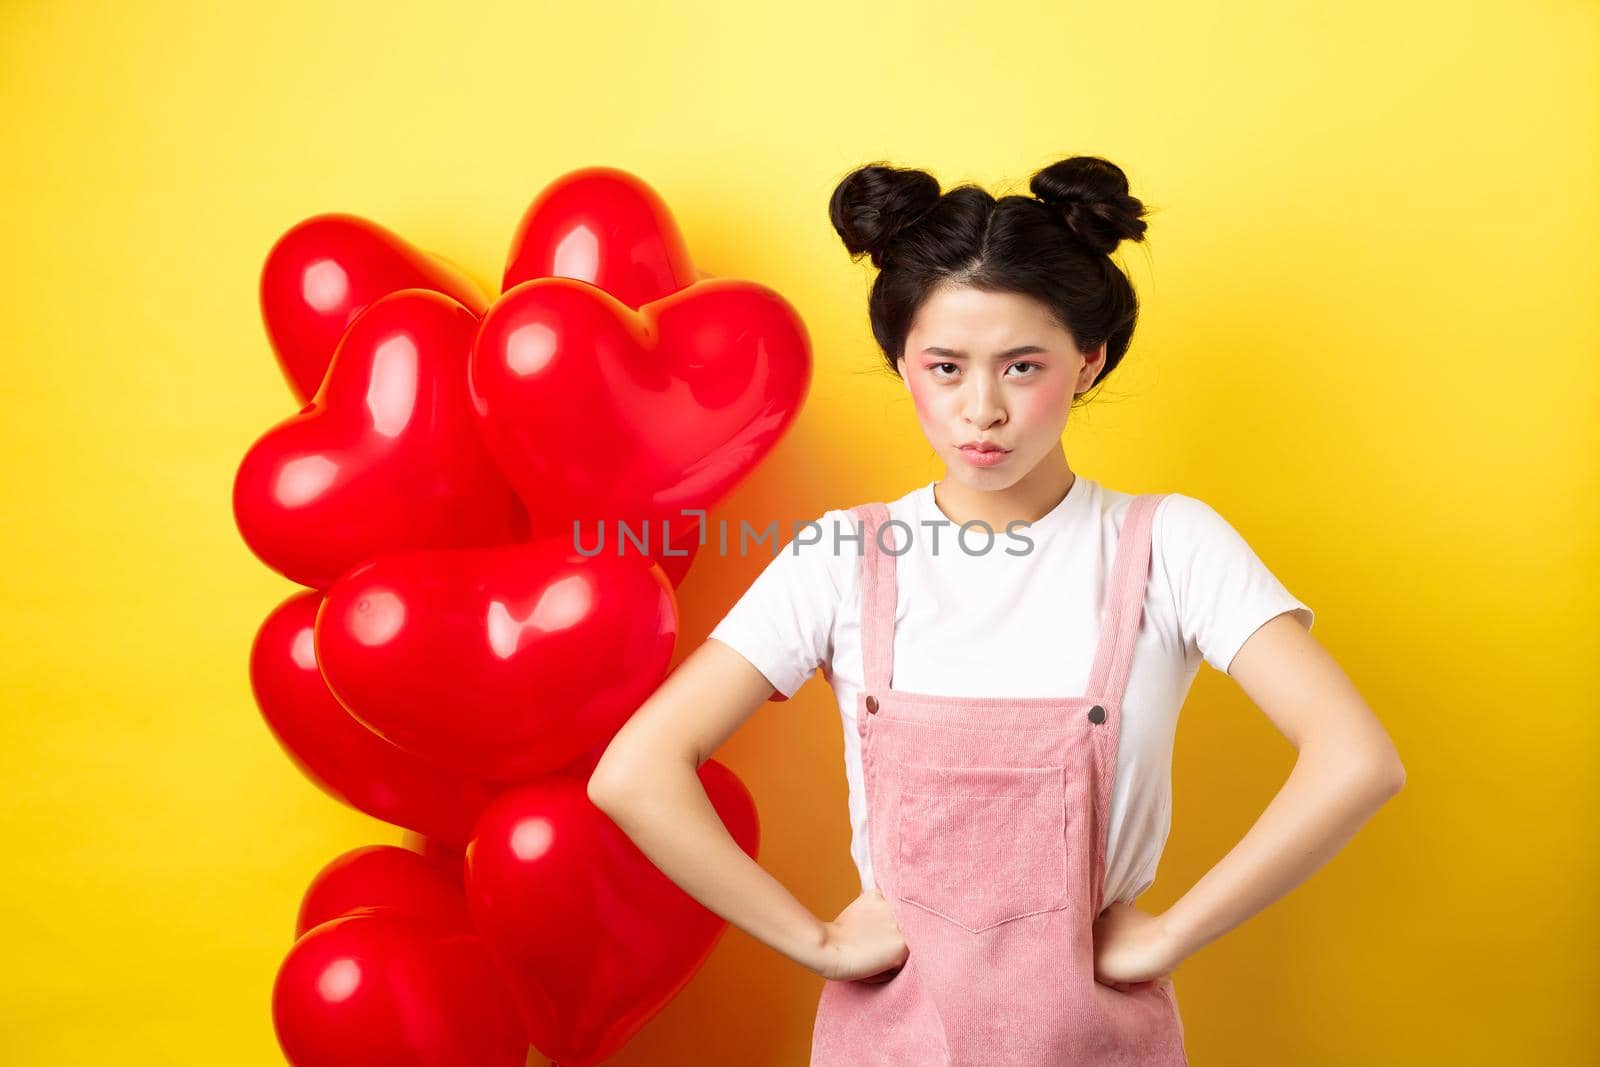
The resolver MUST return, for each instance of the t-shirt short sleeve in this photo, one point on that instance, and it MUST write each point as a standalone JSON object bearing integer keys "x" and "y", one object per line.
{"x": 1223, "y": 591}
{"x": 783, "y": 624}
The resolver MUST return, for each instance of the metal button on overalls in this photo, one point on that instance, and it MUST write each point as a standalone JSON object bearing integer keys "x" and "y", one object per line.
{"x": 986, "y": 823}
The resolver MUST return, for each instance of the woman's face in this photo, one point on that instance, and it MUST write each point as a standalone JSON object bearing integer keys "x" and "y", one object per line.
{"x": 992, "y": 368}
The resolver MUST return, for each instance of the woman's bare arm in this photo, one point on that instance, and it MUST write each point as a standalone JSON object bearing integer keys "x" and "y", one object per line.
{"x": 647, "y": 783}
{"x": 1346, "y": 770}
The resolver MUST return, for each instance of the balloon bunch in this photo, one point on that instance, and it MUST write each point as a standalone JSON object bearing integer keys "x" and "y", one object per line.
{"x": 463, "y": 651}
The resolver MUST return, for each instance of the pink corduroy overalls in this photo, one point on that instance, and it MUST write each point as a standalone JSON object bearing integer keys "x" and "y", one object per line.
{"x": 987, "y": 828}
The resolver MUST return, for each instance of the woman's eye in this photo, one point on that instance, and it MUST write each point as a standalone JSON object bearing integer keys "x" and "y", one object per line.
{"x": 938, "y": 369}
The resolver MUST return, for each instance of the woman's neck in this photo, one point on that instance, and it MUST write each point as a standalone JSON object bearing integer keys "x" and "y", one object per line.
{"x": 1029, "y": 499}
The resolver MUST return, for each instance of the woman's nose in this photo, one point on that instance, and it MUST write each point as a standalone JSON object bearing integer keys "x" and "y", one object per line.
{"x": 983, "y": 407}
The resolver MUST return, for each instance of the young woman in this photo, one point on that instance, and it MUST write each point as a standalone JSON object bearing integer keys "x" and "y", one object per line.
{"x": 1008, "y": 698}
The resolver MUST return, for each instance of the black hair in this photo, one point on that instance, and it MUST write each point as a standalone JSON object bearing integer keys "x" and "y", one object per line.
{"x": 1054, "y": 246}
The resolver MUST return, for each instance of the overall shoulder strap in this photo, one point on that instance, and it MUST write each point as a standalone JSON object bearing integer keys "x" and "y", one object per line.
{"x": 1124, "y": 605}
{"x": 877, "y": 598}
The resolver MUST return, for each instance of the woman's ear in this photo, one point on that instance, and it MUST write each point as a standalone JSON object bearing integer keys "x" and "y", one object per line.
{"x": 1094, "y": 363}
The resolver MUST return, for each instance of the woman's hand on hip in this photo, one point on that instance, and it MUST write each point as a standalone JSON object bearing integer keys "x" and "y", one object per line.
{"x": 864, "y": 942}
{"x": 1131, "y": 946}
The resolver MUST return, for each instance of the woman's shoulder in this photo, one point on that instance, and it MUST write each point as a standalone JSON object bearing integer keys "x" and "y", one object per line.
{"x": 1185, "y": 514}
{"x": 821, "y": 548}
{"x": 1188, "y": 531}
{"x": 1172, "y": 508}
{"x": 1182, "y": 525}
{"x": 830, "y": 545}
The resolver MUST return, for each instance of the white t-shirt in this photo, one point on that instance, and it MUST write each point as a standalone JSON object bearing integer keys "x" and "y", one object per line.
{"x": 970, "y": 622}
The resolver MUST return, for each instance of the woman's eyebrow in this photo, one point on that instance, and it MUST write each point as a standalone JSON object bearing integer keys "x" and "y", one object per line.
{"x": 953, "y": 353}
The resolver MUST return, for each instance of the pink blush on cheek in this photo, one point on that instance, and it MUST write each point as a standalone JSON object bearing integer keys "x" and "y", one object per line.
{"x": 918, "y": 393}
{"x": 1041, "y": 407}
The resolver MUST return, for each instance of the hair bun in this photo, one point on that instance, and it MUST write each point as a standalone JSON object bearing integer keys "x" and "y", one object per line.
{"x": 1091, "y": 195}
{"x": 875, "y": 202}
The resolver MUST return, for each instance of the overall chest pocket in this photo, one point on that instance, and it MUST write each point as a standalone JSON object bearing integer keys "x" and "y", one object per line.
{"x": 982, "y": 845}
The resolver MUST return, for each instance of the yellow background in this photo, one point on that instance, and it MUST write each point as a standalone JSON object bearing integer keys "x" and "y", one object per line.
{"x": 1368, "y": 339}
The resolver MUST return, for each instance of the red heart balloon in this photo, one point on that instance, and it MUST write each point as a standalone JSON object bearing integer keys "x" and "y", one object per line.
{"x": 385, "y": 457}
{"x": 596, "y": 411}
{"x": 382, "y": 876}
{"x": 604, "y": 226}
{"x": 384, "y": 986}
{"x": 591, "y": 936}
{"x": 329, "y": 268}
{"x": 342, "y": 757}
{"x": 500, "y": 662}
{"x": 446, "y": 857}
{"x": 674, "y": 557}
